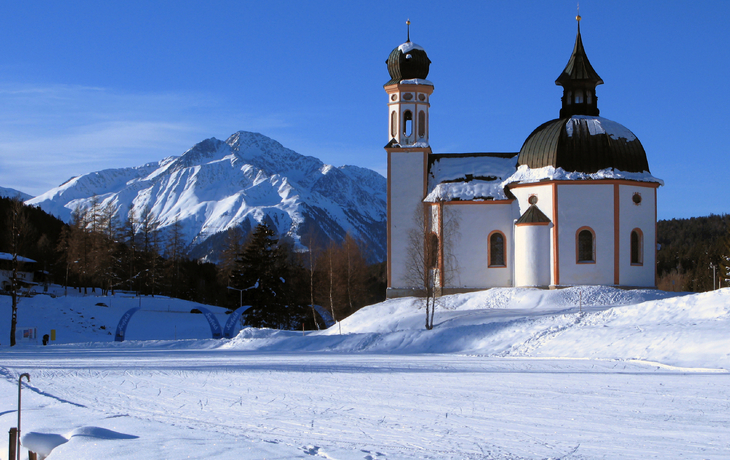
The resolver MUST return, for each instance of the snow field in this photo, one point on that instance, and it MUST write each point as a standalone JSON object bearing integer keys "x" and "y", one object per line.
{"x": 589, "y": 373}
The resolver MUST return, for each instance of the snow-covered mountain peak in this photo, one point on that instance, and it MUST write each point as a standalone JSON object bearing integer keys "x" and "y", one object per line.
{"x": 216, "y": 185}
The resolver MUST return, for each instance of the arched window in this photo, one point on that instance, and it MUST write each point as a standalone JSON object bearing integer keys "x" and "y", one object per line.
{"x": 578, "y": 98}
{"x": 496, "y": 249}
{"x": 421, "y": 124}
{"x": 585, "y": 245}
{"x": 637, "y": 247}
{"x": 432, "y": 251}
{"x": 408, "y": 123}
{"x": 393, "y": 124}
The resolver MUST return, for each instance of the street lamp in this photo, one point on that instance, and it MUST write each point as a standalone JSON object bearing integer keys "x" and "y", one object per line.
{"x": 65, "y": 293}
{"x": 240, "y": 292}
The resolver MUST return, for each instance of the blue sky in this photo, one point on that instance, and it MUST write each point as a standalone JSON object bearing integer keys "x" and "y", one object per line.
{"x": 88, "y": 85}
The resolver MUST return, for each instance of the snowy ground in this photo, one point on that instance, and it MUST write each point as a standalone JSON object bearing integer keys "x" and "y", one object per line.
{"x": 595, "y": 373}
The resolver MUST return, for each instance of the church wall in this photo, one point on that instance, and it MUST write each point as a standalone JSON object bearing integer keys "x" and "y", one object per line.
{"x": 641, "y": 216}
{"x": 544, "y": 195}
{"x": 470, "y": 245}
{"x": 586, "y": 205}
{"x": 405, "y": 192}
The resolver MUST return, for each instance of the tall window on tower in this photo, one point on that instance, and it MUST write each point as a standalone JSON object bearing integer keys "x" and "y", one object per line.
{"x": 637, "y": 253}
{"x": 407, "y": 123}
{"x": 393, "y": 124}
{"x": 421, "y": 124}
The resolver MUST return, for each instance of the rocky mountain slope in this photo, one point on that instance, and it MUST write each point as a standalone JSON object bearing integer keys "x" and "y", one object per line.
{"x": 240, "y": 182}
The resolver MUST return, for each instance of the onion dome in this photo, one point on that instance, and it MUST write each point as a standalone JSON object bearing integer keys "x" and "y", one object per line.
{"x": 407, "y": 61}
{"x": 580, "y": 140}
{"x": 583, "y": 143}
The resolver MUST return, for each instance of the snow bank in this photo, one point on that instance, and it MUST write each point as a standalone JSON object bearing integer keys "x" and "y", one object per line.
{"x": 676, "y": 329}
{"x": 43, "y": 443}
{"x": 588, "y": 322}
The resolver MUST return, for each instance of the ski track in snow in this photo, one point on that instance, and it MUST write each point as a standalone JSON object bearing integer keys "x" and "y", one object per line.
{"x": 403, "y": 406}
{"x": 590, "y": 373}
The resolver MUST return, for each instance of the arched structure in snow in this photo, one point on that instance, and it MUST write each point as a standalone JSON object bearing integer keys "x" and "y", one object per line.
{"x": 123, "y": 322}
{"x": 232, "y": 320}
{"x": 326, "y": 316}
{"x": 215, "y": 326}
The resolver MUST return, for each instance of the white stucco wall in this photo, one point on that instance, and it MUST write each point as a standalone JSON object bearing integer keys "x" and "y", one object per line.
{"x": 532, "y": 255}
{"x": 544, "y": 194}
{"x": 641, "y": 216}
{"x": 470, "y": 244}
{"x": 406, "y": 191}
{"x": 585, "y": 204}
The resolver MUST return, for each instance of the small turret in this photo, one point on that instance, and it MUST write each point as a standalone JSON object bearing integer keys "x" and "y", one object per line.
{"x": 579, "y": 82}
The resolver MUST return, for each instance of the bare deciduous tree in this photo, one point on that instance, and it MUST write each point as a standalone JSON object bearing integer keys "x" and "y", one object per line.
{"x": 430, "y": 264}
{"x": 18, "y": 225}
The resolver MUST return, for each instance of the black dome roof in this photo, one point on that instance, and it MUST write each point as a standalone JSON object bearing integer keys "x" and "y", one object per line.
{"x": 584, "y": 144}
{"x": 407, "y": 61}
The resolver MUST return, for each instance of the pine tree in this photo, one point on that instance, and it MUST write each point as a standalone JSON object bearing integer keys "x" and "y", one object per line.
{"x": 724, "y": 268}
{"x": 263, "y": 271}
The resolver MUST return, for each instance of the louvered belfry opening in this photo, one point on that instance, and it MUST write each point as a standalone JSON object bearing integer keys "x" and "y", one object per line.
{"x": 579, "y": 81}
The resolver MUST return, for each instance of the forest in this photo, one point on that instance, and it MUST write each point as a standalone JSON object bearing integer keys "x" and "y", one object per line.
{"x": 99, "y": 253}
{"x": 688, "y": 251}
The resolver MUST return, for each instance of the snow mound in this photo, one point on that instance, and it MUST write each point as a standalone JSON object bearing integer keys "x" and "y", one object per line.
{"x": 589, "y": 322}
{"x": 43, "y": 443}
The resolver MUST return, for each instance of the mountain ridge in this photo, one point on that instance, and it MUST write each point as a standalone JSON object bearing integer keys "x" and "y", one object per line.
{"x": 240, "y": 182}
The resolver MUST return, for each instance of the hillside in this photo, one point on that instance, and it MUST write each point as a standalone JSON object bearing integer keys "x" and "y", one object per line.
{"x": 677, "y": 329}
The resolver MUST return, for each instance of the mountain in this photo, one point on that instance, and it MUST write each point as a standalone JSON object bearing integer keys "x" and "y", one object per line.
{"x": 246, "y": 180}
{"x": 12, "y": 193}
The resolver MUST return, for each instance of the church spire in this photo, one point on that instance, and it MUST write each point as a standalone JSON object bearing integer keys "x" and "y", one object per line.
{"x": 579, "y": 82}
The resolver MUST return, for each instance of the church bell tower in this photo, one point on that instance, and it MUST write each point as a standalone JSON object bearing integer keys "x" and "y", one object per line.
{"x": 408, "y": 95}
{"x": 408, "y": 149}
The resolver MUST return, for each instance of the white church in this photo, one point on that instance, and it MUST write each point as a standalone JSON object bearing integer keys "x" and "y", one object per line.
{"x": 575, "y": 206}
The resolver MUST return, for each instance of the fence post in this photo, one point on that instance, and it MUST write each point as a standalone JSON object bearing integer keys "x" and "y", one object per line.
{"x": 13, "y": 441}
{"x": 32, "y": 456}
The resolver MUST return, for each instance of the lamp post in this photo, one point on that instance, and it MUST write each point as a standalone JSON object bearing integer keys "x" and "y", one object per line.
{"x": 240, "y": 295}
{"x": 20, "y": 385}
{"x": 65, "y": 294}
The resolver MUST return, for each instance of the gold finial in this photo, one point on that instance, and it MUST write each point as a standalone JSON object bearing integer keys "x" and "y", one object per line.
{"x": 408, "y": 23}
{"x": 578, "y": 18}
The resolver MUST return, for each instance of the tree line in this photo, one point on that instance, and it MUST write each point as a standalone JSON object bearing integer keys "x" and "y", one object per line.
{"x": 688, "y": 251}
{"x": 98, "y": 252}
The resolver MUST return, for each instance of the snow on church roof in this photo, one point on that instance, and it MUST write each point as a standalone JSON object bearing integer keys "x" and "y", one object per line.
{"x": 484, "y": 176}
{"x": 600, "y": 125}
{"x": 469, "y": 177}
{"x": 525, "y": 174}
